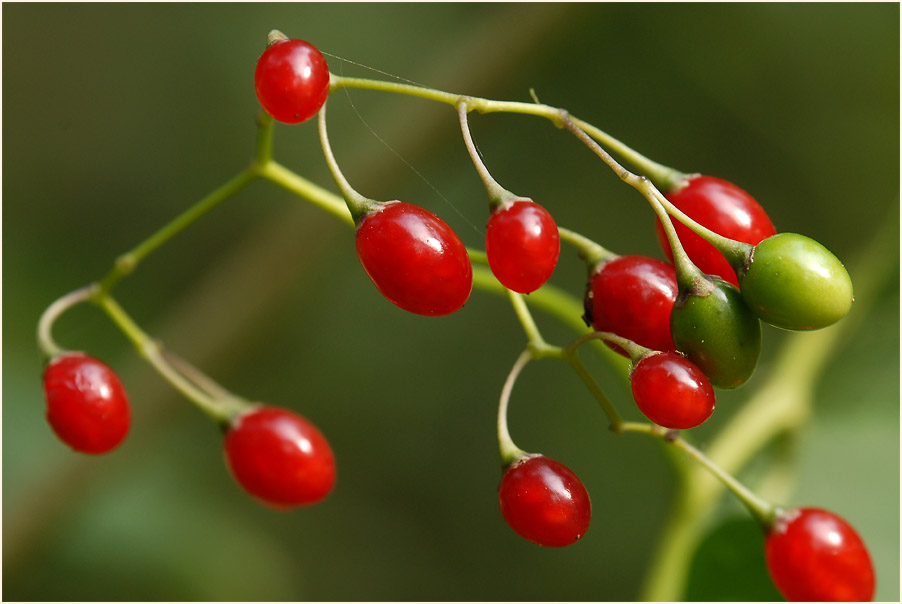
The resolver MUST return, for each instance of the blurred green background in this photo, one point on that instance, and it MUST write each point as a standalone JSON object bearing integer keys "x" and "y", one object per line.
{"x": 117, "y": 117}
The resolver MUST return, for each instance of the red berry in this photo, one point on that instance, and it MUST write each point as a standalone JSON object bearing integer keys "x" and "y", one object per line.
{"x": 522, "y": 244}
{"x": 86, "y": 403}
{"x": 415, "y": 259}
{"x": 671, "y": 391}
{"x": 292, "y": 80}
{"x": 279, "y": 457}
{"x": 725, "y": 209}
{"x": 544, "y": 501}
{"x": 632, "y": 296}
{"x": 814, "y": 555}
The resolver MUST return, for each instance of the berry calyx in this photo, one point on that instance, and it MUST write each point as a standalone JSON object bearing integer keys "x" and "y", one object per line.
{"x": 632, "y": 296}
{"x": 543, "y": 501}
{"x": 671, "y": 391}
{"x": 522, "y": 245}
{"x": 723, "y": 208}
{"x": 86, "y": 403}
{"x": 291, "y": 79}
{"x": 794, "y": 282}
{"x": 814, "y": 555}
{"x": 415, "y": 259}
{"x": 714, "y": 327}
{"x": 279, "y": 457}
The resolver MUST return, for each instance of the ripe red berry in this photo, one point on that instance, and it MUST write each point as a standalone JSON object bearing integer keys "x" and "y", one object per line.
{"x": 544, "y": 501}
{"x": 415, "y": 259}
{"x": 671, "y": 391}
{"x": 522, "y": 245}
{"x": 814, "y": 555}
{"x": 632, "y": 296}
{"x": 279, "y": 457}
{"x": 292, "y": 80}
{"x": 86, "y": 403}
{"x": 725, "y": 209}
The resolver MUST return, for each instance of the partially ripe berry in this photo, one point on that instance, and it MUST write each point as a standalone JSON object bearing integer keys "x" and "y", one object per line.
{"x": 544, "y": 501}
{"x": 718, "y": 332}
{"x": 632, "y": 296}
{"x": 415, "y": 259}
{"x": 816, "y": 556}
{"x": 522, "y": 245}
{"x": 86, "y": 403}
{"x": 795, "y": 283}
{"x": 725, "y": 209}
{"x": 279, "y": 457}
{"x": 291, "y": 80}
{"x": 671, "y": 391}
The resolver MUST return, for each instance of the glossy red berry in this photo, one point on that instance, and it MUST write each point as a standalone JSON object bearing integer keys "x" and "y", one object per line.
{"x": 814, "y": 555}
{"x": 632, "y": 296}
{"x": 292, "y": 80}
{"x": 522, "y": 245}
{"x": 671, "y": 391}
{"x": 279, "y": 457}
{"x": 86, "y": 403}
{"x": 415, "y": 259}
{"x": 544, "y": 501}
{"x": 725, "y": 209}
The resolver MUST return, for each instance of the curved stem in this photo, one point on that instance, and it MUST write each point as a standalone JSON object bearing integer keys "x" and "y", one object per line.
{"x": 219, "y": 409}
{"x": 636, "y": 351}
{"x": 590, "y": 251}
{"x": 46, "y": 343}
{"x": 663, "y": 176}
{"x": 688, "y": 275}
{"x": 509, "y": 451}
{"x": 498, "y": 195}
{"x": 358, "y": 205}
{"x": 572, "y": 357}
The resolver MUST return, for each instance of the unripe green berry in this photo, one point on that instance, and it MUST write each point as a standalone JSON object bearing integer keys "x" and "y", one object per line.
{"x": 714, "y": 327}
{"x": 794, "y": 282}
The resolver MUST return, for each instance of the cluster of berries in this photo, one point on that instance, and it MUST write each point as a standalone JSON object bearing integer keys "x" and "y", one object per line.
{"x": 688, "y": 326}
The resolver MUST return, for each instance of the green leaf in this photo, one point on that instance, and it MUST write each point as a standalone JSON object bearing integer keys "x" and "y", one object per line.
{"x": 729, "y": 566}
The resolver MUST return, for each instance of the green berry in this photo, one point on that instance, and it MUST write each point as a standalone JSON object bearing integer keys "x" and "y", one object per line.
{"x": 714, "y": 327}
{"x": 795, "y": 283}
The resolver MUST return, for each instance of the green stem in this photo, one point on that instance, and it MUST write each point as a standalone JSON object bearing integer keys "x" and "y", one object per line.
{"x": 592, "y": 253}
{"x": 498, "y": 195}
{"x": 358, "y": 205}
{"x": 636, "y": 351}
{"x": 219, "y": 409}
{"x": 291, "y": 182}
{"x": 126, "y": 263}
{"x": 689, "y": 277}
{"x": 46, "y": 343}
{"x": 572, "y": 357}
{"x": 663, "y": 176}
{"x": 509, "y": 451}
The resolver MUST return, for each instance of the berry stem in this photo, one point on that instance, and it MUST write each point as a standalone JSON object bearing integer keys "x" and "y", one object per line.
{"x": 46, "y": 343}
{"x": 571, "y": 354}
{"x": 498, "y": 195}
{"x": 537, "y": 344}
{"x": 592, "y": 253}
{"x": 736, "y": 252}
{"x": 509, "y": 451}
{"x": 663, "y": 176}
{"x": 636, "y": 351}
{"x": 358, "y": 205}
{"x": 220, "y": 409}
{"x": 688, "y": 275}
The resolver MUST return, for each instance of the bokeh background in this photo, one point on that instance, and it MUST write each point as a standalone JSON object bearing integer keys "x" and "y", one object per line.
{"x": 117, "y": 117}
